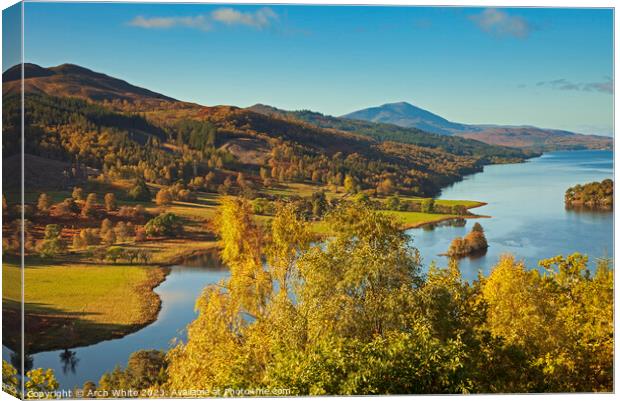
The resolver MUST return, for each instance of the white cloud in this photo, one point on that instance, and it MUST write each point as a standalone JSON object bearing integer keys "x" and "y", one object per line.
{"x": 259, "y": 19}
{"x": 197, "y": 22}
{"x": 500, "y": 23}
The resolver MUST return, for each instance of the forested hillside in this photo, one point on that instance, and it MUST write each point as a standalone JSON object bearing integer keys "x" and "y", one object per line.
{"x": 391, "y": 132}
{"x": 88, "y": 119}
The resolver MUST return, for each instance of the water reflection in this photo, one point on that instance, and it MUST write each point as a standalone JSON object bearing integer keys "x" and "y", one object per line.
{"x": 69, "y": 361}
{"x": 456, "y": 222}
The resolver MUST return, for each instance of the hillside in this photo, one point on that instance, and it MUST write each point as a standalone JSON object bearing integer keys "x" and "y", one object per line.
{"x": 70, "y": 80}
{"x": 88, "y": 120}
{"x": 391, "y": 132}
{"x": 538, "y": 138}
{"x": 526, "y": 137}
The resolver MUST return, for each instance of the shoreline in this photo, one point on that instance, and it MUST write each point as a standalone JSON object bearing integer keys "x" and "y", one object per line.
{"x": 410, "y": 226}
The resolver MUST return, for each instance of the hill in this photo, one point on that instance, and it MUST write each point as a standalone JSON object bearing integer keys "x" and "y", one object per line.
{"x": 93, "y": 122}
{"x": 407, "y": 115}
{"x": 74, "y": 81}
{"x": 390, "y": 132}
{"x": 538, "y": 139}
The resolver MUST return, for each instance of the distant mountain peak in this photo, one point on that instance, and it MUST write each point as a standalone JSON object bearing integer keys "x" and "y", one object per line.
{"x": 407, "y": 115}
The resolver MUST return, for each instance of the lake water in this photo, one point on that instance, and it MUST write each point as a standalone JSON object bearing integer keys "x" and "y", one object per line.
{"x": 528, "y": 219}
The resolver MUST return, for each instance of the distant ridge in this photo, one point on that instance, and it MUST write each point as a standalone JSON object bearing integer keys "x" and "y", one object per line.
{"x": 407, "y": 115}
{"x": 75, "y": 81}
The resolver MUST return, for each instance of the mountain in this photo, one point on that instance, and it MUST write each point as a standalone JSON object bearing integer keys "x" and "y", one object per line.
{"x": 390, "y": 132}
{"x": 407, "y": 115}
{"x": 89, "y": 120}
{"x": 539, "y": 139}
{"x": 74, "y": 81}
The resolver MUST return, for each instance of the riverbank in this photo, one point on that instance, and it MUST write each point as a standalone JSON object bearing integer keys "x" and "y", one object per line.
{"x": 72, "y": 305}
{"x": 419, "y": 220}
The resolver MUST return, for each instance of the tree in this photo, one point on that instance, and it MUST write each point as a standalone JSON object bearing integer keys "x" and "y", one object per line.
{"x": 319, "y": 203}
{"x": 106, "y": 225}
{"x": 140, "y": 191}
{"x": 90, "y": 206}
{"x": 88, "y": 389}
{"x": 342, "y": 335}
{"x": 163, "y": 197}
{"x": 124, "y": 230}
{"x": 77, "y": 194}
{"x": 110, "y": 202}
{"x": 140, "y": 234}
{"x": 166, "y": 224}
{"x": 386, "y": 186}
{"x": 109, "y": 237}
{"x": 52, "y": 243}
{"x": 393, "y": 203}
{"x": 40, "y": 380}
{"x": 43, "y": 203}
{"x": 474, "y": 241}
{"x": 351, "y": 185}
{"x": 427, "y": 205}
{"x": 68, "y": 207}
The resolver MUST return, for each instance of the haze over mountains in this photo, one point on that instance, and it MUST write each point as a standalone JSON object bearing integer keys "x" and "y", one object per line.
{"x": 407, "y": 115}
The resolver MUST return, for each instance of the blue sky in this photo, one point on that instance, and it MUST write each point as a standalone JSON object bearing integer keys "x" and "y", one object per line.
{"x": 544, "y": 67}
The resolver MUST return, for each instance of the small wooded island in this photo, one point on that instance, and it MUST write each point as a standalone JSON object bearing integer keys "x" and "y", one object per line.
{"x": 473, "y": 242}
{"x": 594, "y": 195}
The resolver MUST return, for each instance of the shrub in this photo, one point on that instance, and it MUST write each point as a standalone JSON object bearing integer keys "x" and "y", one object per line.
{"x": 166, "y": 224}
{"x": 140, "y": 192}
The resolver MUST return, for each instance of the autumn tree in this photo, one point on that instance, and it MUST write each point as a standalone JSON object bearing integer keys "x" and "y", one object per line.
{"x": 163, "y": 197}
{"x": 110, "y": 202}
{"x": 77, "y": 194}
{"x": 351, "y": 185}
{"x": 43, "y": 203}
{"x": 90, "y": 206}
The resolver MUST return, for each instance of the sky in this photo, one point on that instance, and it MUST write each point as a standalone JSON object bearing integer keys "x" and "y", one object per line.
{"x": 550, "y": 68}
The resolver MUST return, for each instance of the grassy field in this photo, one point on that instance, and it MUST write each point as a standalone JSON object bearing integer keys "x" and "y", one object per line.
{"x": 72, "y": 304}
{"x": 417, "y": 219}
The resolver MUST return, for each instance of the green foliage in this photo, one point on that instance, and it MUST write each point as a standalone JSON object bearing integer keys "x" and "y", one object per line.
{"x": 166, "y": 224}
{"x": 427, "y": 205}
{"x": 139, "y": 192}
{"x": 52, "y": 243}
{"x": 145, "y": 369}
